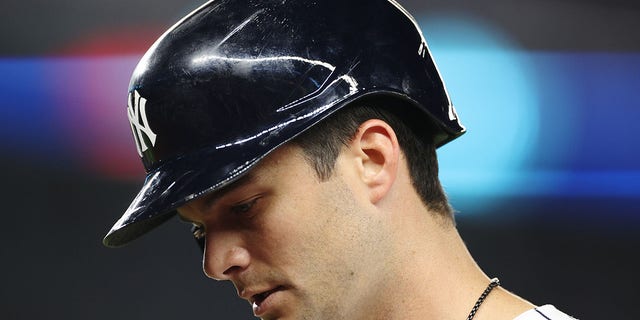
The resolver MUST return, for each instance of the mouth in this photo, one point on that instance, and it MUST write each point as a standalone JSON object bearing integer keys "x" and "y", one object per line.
{"x": 259, "y": 299}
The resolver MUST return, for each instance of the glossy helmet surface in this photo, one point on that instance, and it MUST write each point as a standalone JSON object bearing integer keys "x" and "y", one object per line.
{"x": 234, "y": 80}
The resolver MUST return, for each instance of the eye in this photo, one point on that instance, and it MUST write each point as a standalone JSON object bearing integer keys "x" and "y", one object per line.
{"x": 197, "y": 231}
{"x": 199, "y": 235}
{"x": 244, "y": 207}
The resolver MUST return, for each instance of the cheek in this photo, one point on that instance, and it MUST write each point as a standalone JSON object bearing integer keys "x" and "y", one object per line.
{"x": 283, "y": 232}
{"x": 296, "y": 233}
{"x": 322, "y": 234}
{"x": 315, "y": 231}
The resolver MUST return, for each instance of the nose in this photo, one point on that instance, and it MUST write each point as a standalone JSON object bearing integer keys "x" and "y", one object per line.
{"x": 224, "y": 255}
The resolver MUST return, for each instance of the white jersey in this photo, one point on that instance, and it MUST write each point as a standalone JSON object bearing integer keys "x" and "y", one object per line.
{"x": 546, "y": 312}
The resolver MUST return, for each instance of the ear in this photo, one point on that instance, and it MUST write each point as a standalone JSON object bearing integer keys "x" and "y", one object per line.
{"x": 378, "y": 153}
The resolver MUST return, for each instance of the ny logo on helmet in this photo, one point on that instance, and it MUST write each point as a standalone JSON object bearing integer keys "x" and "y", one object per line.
{"x": 142, "y": 133}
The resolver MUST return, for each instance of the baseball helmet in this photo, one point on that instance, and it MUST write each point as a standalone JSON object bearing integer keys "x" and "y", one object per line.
{"x": 234, "y": 80}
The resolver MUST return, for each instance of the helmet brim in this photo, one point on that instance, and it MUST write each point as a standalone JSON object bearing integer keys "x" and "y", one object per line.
{"x": 177, "y": 182}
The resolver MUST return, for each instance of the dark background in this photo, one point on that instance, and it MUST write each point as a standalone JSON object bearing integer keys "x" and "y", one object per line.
{"x": 569, "y": 236}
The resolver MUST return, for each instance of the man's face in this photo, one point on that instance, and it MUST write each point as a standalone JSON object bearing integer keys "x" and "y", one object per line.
{"x": 294, "y": 246}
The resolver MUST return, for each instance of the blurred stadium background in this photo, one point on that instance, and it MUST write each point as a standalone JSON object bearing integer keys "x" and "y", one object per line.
{"x": 546, "y": 181}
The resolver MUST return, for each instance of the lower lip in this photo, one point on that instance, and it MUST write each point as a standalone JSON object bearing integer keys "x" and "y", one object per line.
{"x": 267, "y": 304}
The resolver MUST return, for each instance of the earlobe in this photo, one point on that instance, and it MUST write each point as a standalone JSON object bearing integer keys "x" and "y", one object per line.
{"x": 379, "y": 154}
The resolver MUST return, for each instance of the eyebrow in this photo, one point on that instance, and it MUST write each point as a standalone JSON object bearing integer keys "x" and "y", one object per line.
{"x": 211, "y": 198}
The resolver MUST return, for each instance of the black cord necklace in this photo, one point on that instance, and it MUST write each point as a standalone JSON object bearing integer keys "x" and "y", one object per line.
{"x": 494, "y": 283}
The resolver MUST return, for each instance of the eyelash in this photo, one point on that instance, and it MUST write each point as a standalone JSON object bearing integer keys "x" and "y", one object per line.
{"x": 239, "y": 209}
{"x": 197, "y": 231}
{"x": 245, "y": 207}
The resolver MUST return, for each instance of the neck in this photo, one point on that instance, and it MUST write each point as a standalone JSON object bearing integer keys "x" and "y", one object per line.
{"x": 441, "y": 280}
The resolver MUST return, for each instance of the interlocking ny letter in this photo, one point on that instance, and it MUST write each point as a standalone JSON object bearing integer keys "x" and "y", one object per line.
{"x": 137, "y": 114}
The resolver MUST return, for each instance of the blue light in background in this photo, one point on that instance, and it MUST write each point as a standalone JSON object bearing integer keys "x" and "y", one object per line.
{"x": 541, "y": 124}
{"x": 68, "y": 112}
{"x": 493, "y": 88}
{"x": 26, "y": 108}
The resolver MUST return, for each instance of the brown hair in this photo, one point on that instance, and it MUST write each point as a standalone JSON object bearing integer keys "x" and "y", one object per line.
{"x": 323, "y": 142}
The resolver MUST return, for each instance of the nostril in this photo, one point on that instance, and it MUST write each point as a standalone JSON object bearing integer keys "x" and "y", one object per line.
{"x": 232, "y": 270}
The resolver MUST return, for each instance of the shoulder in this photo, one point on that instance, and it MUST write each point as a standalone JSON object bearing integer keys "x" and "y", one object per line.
{"x": 543, "y": 313}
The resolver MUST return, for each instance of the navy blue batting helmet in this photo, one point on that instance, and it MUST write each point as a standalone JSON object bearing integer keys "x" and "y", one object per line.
{"x": 234, "y": 80}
